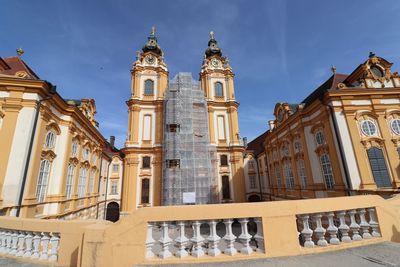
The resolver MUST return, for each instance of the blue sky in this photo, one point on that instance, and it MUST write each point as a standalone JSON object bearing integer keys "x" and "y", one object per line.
{"x": 280, "y": 51}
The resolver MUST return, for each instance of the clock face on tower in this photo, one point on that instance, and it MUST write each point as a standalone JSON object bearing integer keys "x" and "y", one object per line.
{"x": 214, "y": 62}
{"x": 150, "y": 59}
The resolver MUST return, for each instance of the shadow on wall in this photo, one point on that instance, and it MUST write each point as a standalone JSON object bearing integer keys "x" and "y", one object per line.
{"x": 395, "y": 234}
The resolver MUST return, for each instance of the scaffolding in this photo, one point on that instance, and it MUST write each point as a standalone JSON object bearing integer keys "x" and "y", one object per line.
{"x": 189, "y": 167}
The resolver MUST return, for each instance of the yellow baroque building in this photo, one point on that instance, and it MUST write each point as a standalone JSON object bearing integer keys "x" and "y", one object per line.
{"x": 342, "y": 139}
{"x": 183, "y": 144}
{"x": 50, "y": 148}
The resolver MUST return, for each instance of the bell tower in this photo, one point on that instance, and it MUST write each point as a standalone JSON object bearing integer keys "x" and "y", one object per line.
{"x": 216, "y": 78}
{"x": 143, "y": 146}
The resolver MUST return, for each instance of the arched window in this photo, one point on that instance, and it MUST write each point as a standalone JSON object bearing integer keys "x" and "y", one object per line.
{"x": 368, "y": 127}
{"x": 74, "y": 149}
{"x": 218, "y": 89}
{"x": 297, "y": 145}
{"x": 226, "y": 191}
{"x": 327, "y": 171}
{"x": 70, "y": 177}
{"x": 378, "y": 167}
{"x": 85, "y": 153}
{"x": 377, "y": 71}
{"x": 145, "y": 191}
{"x": 395, "y": 125}
{"x": 320, "y": 138}
{"x": 50, "y": 140}
{"x": 42, "y": 180}
{"x": 149, "y": 87}
{"x": 289, "y": 175}
{"x": 82, "y": 182}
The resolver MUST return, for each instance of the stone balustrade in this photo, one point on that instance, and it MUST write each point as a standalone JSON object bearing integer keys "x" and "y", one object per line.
{"x": 42, "y": 246}
{"x": 198, "y": 238}
{"x": 333, "y": 228}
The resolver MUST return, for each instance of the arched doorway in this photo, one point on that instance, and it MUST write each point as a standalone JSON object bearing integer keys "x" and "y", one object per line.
{"x": 254, "y": 198}
{"x": 112, "y": 212}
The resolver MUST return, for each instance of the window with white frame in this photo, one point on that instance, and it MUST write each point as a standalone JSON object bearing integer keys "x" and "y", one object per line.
{"x": 74, "y": 149}
{"x": 149, "y": 87}
{"x": 69, "y": 182}
{"x": 278, "y": 177}
{"x": 327, "y": 171}
{"x": 218, "y": 89}
{"x": 368, "y": 127}
{"x": 42, "y": 181}
{"x": 115, "y": 167}
{"x": 395, "y": 126}
{"x": 85, "y": 153}
{"x": 82, "y": 182}
{"x": 114, "y": 188}
{"x": 50, "y": 140}
{"x": 320, "y": 138}
{"x": 289, "y": 175}
{"x": 301, "y": 171}
{"x": 91, "y": 181}
{"x": 252, "y": 182}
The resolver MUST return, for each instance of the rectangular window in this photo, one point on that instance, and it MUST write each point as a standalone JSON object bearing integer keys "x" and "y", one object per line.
{"x": 174, "y": 128}
{"x": 224, "y": 160}
{"x": 115, "y": 168}
{"x": 147, "y": 127}
{"x": 226, "y": 191}
{"x": 289, "y": 176}
{"x": 146, "y": 162}
{"x": 301, "y": 171}
{"x": 327, "y": 171}
{"x": 114, "y": 188}
{"x": 145, "y": 191}
{"x": 378, "y": 167}
{"x": 82, "y": 182}
{"x": 252, "y": 181}
{"x": 221, "y": 127}
{"x": 91, "y": 182}
{"x": 278, "y": 177}
{"x": 41, "y": 187}
{"x": 173, "y": 163}
{"x": 70, "y": 177}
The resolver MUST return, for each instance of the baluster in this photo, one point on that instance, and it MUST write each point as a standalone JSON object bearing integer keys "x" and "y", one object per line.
{"x": 213, "y": 240}
{"x": 354, "y": 227}
{"x": 319, "y": 230}
{"x": 8, "y": 242}
{"x": 229, "y": 238}
{"x": 21, "y": 241}
{"x": 259, "y": 237}
{"x": 373, "y": 221}
{"x": 181, "y": 241}
{"x": 28, "y": 245}
{"x": 3, "y": 239}
{"x": 55, "y": 245}
{"x": 165, "y": 241}
{"x": 197, "y": 240}
{"x": 343, "y": 227}
{"x": 364, "y": 224}
{"x": 149, "y": 241}
{"x": 244, "y": 237}
{"x": 332, "y": 230}
{"x": 307, "y": 232}
{"x": 14, "y": 242}
{"x": 36, "y": 243}
{"x": 44, "y": 254}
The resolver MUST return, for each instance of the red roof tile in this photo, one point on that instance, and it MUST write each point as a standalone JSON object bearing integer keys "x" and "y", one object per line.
{"x": 12, "y": 65}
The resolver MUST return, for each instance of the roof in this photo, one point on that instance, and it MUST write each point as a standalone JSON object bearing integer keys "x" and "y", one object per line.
{"x": 257, "y": 144}
{"x": 12, "y": 65}
{"x": 330, "y": 84}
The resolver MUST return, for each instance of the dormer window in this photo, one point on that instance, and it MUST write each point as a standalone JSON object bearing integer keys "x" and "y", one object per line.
{"x": 377, "y": 71}
{"x": 149, "y": 87}
{"x": 50, "y": 140}
{"x": 218, "y": 89}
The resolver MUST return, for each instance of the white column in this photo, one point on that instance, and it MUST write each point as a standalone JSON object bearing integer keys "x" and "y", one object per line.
{"x": 213, "y": 240}
{"x": 45, "y": 246}
{"x": 28, "y": 245}
{"x": 343, "y": 227}
{"x": 373, "y": 221}
{"x": 306, "y": 232}
{"x": 55, "y": 245}
{"x": 354, "y": 227}
{"x": 197, "y": 240}
{"x": 332, "y": 230}
{"x": 229, "y": 238}
{"x": 364, "y": 224}
{"x": 165, "y": 241}
{"x": 36, "y": 243}
{"x": 245, "y": 237}
{"x": 319, "y": 230}
{"x": 21, "y": 242}
{"x": 259, "y": 237}
{"x": 149, "y": 241}
{"x": 181, "y": 241}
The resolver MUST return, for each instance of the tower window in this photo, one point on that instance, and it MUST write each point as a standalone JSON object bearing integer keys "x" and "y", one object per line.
{"x": 149, "y": 87}
{"x": 173, "y": 163}
{"x": 146, "y": 162}
{"x": 145, "y": 198}
{"x": 226, "y": 191}
{"x": 224, "y": 160}
{"x": 218, "y": 89}
{"x": 174, "y": 128}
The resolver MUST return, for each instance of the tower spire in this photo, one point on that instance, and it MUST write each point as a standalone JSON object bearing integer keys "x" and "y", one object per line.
{"x": 213, "y": 48}
{"x": 152, "y": 44}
